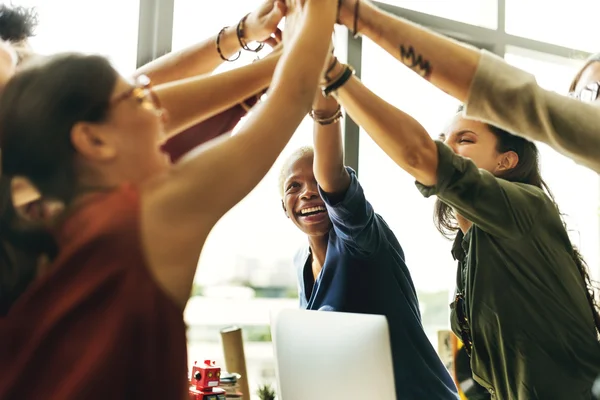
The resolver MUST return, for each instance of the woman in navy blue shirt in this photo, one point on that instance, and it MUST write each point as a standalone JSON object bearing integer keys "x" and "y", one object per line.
{"x": 354, "y": 262}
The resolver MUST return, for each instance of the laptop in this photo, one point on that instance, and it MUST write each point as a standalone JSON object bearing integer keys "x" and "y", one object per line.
{"x": 332, "y": 355}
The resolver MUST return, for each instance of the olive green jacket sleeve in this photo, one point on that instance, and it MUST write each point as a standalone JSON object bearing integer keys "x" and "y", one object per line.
{"x": 507, "y": 97}
{"x": 499, "y": 207}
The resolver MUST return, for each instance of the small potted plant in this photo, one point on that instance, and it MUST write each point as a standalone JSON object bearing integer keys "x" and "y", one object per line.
{"x": 266, "y": 392}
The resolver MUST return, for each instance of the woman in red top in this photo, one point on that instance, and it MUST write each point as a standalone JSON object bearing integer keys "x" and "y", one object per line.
{"x": 258, "y": 26}
{"x": 103, "y": 318}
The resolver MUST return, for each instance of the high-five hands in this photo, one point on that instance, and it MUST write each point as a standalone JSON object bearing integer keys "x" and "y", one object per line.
{"x": 296, "y": 12}
{"x": 261, "y": 24}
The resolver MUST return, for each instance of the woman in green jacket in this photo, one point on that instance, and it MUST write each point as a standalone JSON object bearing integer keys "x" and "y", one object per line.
{"x": 523, "y": 304}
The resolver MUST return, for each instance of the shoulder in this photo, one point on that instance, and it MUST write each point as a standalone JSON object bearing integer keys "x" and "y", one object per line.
{"x": 114, "y": 214}
{"x": 348, "y": 201}
{"x": 535, "y": 201}
{"x": 531, "y": 194}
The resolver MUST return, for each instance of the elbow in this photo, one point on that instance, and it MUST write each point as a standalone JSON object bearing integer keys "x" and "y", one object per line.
{"x": 413, "y": 159}
{"x": 421, "y": 162}
{"x": 421, "y": 153}
{"x": 334, "y": 182}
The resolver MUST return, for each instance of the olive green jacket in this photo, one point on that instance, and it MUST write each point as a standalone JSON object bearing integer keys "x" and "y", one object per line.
{"x": 531, "y": 325}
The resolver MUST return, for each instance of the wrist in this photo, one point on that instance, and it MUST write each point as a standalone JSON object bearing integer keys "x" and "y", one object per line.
{"x": 245, "y": 36}
{"x": 327, "y": 117}
{"x": 338, "y": 81}
{"x": 366, "y": 16}
{"x": 334, "y": 69}
{"x": 357, "y": 16}
{"x": 227, "y": 44}
{"x": 325, "y": 107}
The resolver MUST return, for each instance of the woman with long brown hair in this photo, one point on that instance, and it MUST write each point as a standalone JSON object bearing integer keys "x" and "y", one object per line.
{"x": 17, "y": 24}
{"x": 102, "y": 317}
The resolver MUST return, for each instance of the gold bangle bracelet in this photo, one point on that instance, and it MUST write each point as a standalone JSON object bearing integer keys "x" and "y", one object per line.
{"x": 327, "y": 120}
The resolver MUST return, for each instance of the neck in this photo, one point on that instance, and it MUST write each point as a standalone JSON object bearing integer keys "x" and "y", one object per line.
{"x": 463, "y": 223}
{"x": 318, "y": 248}
{"x": 93, "y": 179}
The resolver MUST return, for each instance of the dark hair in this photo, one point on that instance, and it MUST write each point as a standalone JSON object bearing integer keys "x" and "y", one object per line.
{"x": 17, "y": 23}
{"x": 38, "y": 108}
{"x": 527, "y": 171}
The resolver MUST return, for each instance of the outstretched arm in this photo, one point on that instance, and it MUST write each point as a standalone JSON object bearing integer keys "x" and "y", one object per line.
{"x": 500, "y": 207}
{"x": 446, "y": 63}
{"x": 352, "y": 216}
{"x": 180, "y": 209}
{"x": 204, "y": 57}
{"x": 192, "y": 100}
{"x": 492, "y": 90}
{"x": 397, "y": 133}
{"x": 329, "y": 168}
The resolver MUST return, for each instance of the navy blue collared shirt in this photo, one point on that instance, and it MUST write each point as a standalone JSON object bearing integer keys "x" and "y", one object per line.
{"x": 364, "y": 272}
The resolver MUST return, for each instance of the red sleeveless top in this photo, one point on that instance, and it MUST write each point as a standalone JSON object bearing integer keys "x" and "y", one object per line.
{"x": 97, "y": 325}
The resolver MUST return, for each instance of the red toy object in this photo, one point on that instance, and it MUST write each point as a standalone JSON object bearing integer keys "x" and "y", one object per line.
{"x": 204, "y": 382}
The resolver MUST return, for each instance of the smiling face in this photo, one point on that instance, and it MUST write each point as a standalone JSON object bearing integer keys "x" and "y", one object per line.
{"x": 474, "y": 140}
{"x": 124, "y": 145}
{"x": 301, "y": 200}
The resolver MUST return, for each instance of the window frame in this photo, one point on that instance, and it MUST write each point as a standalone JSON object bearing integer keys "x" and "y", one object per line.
{"x": 155, "y": 34}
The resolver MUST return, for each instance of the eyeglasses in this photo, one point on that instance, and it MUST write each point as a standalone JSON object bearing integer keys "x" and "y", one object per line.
{"x": 463, "y": 322}
{"x": 588, "y": 94}
{"x": 142, "y": 92}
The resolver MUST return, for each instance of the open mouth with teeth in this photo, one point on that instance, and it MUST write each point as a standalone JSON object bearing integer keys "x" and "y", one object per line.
{"x": 310, "y": 211}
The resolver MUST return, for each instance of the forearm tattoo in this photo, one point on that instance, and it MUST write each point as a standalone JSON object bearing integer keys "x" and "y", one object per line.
{"x": 415, "y": 61}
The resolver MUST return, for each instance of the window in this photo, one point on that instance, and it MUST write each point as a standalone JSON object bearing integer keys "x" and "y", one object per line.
{"x": 566, "y": 23}
{"x": 576, "y": 188}
{"x": 393, "y": 193}
{"x": 245, "y": 270}
{"x": 109, "y": 28}
{"x": 194, "y": 22}
{"x": 475, "y": 12}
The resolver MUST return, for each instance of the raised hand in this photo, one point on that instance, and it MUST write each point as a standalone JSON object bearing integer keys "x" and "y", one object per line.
{"x": 262, "y": 23}
{"x": 295, "y": 11}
